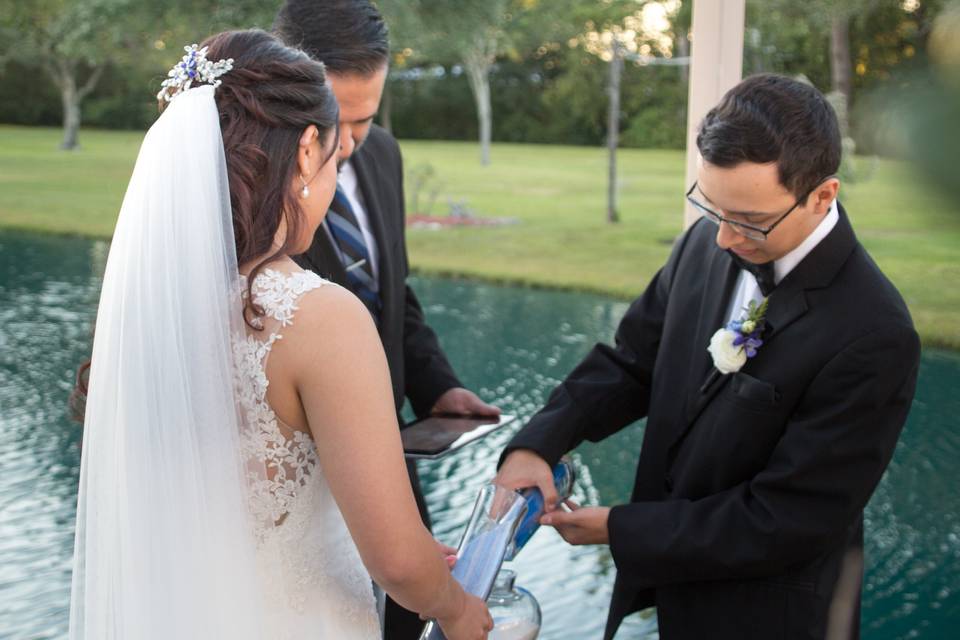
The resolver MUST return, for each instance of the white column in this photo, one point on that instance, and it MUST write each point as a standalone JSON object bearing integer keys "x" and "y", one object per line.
{"x": 716, "y": 65}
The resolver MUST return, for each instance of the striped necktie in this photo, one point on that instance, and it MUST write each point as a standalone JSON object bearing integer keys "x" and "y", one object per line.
{"x": 353, "y": 252}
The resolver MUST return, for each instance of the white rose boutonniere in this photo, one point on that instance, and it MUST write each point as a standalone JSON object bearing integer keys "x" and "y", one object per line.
{"x": 727, "y": 357}
{"x": 731, "y": 346}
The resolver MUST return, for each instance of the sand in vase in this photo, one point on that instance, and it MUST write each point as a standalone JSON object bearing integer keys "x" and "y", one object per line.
{"x": 514, "y": 630}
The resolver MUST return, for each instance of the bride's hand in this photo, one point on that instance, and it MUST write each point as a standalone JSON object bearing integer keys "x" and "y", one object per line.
{"x": 472, "y": 623}
{"x": 449, "y": 554}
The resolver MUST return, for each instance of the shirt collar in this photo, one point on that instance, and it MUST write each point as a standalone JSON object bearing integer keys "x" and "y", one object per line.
{"x": 347, "y": 177}
{"x": 786, "y": 264}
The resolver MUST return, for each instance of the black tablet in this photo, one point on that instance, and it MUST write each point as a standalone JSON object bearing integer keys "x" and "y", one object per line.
{"x": 436, "y": 436}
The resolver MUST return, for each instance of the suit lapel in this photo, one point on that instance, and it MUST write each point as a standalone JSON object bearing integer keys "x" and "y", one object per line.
{"x": 788, "y": 302}
{"x": 817, "y": 270}
{"x": 721, "y": 279}
{"x": 366, "y": 177}
{"x": 322, "y": 258}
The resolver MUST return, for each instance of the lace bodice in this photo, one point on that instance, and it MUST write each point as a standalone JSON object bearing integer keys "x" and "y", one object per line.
{"x": 311, "y": 568}
{"x": 289, "y": 454}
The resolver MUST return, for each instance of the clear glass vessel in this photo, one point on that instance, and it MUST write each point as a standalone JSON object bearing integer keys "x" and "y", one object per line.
{"x": 496, "y": 515}
{"x": 516, "y": 613}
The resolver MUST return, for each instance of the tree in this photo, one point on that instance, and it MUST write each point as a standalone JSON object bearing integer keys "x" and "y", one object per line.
{"x": 469, "y": 32}
{"x": 73, "y": 41}
{"x": 405, "y": 50}
{"x": 836, "y": 20}
{"x": 846, "y": 49}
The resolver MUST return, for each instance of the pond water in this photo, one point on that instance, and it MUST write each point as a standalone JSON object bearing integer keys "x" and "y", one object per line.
{"x": 512, "y": 345}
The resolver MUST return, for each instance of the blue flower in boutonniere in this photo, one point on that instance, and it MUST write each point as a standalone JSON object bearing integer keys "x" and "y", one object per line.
{"x": 733, "y": 345}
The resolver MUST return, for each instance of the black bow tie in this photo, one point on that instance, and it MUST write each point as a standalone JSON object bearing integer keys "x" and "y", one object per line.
{"x": 762, "y": 272}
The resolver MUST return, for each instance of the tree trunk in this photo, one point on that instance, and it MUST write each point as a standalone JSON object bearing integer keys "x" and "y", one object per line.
{"x": 841, "y": 67}
{"x": 71, "y": 97}
{"x": 478, "y": 64}
{"x": 613, "y": 130}
{"x": 71, "y": 117}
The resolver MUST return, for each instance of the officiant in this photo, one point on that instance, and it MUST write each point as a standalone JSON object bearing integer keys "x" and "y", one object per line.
{"x": 361, "y": 244}
{"x": 775, "y": 365}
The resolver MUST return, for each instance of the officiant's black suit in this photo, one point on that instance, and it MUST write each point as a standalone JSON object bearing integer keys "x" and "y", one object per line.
{"x": 419, "y": 369}
{"x": 748, "y": 500}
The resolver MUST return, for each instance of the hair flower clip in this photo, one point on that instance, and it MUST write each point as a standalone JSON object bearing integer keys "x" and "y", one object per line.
{"x": 193, "y": 68}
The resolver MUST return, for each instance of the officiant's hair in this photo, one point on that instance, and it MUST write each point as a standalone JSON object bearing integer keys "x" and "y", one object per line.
{"x": 349, "y": 36}
{"x": 266, "y": 101}
{"x": 773, "y": 118}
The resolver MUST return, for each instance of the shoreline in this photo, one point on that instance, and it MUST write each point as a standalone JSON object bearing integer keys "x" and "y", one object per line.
{"x": 928, "y": 340}
{"x": 555, "y": 197}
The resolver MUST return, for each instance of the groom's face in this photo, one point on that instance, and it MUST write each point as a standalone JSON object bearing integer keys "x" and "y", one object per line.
{"x": 752, "y": 193}
{"x": 359, "y": 99}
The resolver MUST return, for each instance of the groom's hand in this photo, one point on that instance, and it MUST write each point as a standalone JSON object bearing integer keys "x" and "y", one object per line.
{"x": 523, "y": 468}
{"x": 580, "y": 525}
{"x": 463, "y": 402}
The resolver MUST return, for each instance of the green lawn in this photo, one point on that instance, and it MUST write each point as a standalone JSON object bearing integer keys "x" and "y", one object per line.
{"x": 557, "y": 194}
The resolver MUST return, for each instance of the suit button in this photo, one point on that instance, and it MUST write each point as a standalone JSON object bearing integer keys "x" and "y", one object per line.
{"x": 668, "y": 483}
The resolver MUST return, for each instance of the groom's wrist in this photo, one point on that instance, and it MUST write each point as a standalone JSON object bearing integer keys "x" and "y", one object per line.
{"x": 520, "y": 447}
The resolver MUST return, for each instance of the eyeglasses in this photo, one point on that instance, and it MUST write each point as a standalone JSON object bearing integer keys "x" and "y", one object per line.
{"x": 744, "y": 229}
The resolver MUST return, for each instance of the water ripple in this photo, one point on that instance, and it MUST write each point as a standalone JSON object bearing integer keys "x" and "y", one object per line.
{"x": 513, "y": 346}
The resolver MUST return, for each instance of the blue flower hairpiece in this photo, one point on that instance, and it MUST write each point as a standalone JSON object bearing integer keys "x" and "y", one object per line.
{"x": 193, "y": 68}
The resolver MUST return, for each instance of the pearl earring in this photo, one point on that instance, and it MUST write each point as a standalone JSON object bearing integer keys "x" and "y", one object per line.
{"x": 305, "y": 192}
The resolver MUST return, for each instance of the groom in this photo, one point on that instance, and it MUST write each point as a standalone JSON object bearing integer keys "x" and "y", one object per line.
{"x": 361, "y": 244}
{"x": 746, "y": 519}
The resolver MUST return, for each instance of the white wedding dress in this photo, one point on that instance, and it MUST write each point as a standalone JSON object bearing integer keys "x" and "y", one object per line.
{"x": 315, "y": 582}
{"x": 199, "y": 514}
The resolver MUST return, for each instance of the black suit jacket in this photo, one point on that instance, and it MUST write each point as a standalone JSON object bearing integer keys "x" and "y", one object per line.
{"x": 746, "y": 514}
{"x": 418, "y": 368}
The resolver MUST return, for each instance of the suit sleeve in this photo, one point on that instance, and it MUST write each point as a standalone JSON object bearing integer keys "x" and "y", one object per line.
{"x": 610, "y": 388}
{"x": 829, "y": 460}
{"x": 426, "y": 370}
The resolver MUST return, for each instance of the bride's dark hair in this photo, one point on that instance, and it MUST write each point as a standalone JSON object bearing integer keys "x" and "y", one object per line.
{"x": 272, "y": 94}
{"x": 265, "y": 102}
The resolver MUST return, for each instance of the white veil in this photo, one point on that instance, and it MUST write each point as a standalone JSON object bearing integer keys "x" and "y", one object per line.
{"x": 164, "y": 543}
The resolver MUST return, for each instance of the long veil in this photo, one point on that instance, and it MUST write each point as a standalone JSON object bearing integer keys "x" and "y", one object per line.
{"x": 164, "y": 541}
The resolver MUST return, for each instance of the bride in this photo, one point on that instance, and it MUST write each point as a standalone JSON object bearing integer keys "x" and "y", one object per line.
{"x": 242, "y": 474}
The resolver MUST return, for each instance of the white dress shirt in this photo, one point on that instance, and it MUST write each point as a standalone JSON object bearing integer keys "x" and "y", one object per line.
{"x": 747, "y": 288}
{"x": 347, "y": 181}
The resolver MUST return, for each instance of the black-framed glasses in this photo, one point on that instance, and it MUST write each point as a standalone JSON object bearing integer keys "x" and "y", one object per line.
{"x": 747, "y": 230}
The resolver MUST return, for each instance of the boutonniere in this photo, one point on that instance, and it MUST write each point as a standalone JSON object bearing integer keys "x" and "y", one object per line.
{"x": 734, "y": 344}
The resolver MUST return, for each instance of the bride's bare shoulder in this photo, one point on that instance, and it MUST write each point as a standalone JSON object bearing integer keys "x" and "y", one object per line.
{"x": 332, "y": 312}
{"x": 332, "y": 340}
{"x": 329, "y": 303}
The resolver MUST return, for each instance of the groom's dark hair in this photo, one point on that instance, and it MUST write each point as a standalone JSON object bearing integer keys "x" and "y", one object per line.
{"x": 348, "y": 36}
{"x": 773, "y": 118}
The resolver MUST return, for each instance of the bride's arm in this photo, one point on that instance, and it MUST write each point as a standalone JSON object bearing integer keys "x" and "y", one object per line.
{"x": 341, "y": 374}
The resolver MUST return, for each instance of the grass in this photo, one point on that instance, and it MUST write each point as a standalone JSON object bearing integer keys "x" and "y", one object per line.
{"x": 558, "y": 196}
